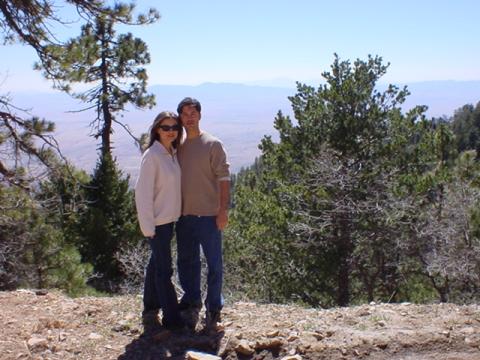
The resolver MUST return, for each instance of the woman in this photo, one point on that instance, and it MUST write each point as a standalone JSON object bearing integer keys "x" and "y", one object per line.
{"x": 158, "y": 201}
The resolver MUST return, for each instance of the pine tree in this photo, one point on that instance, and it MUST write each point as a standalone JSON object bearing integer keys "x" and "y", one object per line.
{"x": 109, "y": 222}
{"x": 32, "y": 23}
{"x": 332, "y": 177}
{"x": 34, "y": 251}
{"x": 111, "y": 65}
{"x": 465, "y": 125}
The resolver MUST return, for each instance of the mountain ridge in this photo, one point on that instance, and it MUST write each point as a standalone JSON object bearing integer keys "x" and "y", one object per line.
{"x": 239, "y": 114}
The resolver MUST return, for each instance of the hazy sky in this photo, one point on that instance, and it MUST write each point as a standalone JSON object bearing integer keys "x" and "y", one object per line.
{"x": 266, "y": 40}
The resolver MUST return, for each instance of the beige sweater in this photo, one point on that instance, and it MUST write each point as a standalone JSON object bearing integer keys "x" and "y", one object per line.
{"x": 158, "y": 189}
{"x": 204, "y": 163}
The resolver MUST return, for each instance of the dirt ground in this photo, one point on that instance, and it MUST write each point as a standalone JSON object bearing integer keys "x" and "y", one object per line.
{"x": 49, "y": 325}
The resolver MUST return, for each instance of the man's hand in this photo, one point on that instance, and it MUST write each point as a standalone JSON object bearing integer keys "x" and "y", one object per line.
{"x": 222, "y": 219}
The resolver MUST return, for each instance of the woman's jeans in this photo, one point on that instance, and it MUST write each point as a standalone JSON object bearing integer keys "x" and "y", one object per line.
{"x": 193, "y": 232}
{"x": 159, "y": 292}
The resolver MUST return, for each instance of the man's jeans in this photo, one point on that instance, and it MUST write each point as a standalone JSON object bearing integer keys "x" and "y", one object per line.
{"x": 158, "y": 291}
{"x": 193, "y": 232}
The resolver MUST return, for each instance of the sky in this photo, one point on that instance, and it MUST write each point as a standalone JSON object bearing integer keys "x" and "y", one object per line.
{"x": 275, "y": 42}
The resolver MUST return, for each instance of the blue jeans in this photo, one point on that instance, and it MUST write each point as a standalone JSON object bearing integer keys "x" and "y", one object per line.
{"x": 158, "y": 292}
{"x": 193, "y": 232}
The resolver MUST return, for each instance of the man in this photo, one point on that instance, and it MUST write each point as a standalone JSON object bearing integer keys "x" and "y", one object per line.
{"x": 205, "y": 202}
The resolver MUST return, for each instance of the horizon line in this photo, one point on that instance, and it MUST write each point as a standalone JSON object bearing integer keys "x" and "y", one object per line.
{"x": 256, "y": 83}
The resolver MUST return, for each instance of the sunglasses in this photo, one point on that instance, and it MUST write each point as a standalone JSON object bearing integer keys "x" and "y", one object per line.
{"x": 169, "y": 128}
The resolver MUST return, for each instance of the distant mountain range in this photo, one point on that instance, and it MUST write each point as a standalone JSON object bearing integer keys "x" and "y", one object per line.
{"x": 238, "y": 114}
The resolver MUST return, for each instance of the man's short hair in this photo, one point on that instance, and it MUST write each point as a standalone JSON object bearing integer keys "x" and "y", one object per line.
{"x": 189, "y": 101}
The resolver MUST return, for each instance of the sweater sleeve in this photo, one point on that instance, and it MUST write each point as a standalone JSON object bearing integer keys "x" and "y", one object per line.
{"x": 220, "y": 166}
{"x": 144, "y": 192}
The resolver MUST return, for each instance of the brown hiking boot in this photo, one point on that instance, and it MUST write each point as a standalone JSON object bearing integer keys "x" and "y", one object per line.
{"x": 150, "y": 322}
{"x": 190, "y": 315}
{"x": 212, "y": 318}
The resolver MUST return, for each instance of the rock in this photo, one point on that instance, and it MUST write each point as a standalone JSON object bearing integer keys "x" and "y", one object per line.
{"x": 468, "y": 331}
{"x": 41, "y": 292}
{"x": 95, "y": 336}
{"x": 36, "y": 343}
{"x": 195, "y": 355}
{"x": 244, "y": 348}
{"x": 25, "y": 291}
{"x": 121, "y": 326}
{"x": 316, "y": 335}
{"x": 473, "y": 341}
{"x": 329, "y": 333}
{"x": 225, "y": 346}
{"x": 382, "y": 345}
{"x": 292, "y": 337}
{"x": 302, "y": 348}
{"x": 364, "y": 312}
{"x": 273, "y": 333}
{"x": 292, "y": 357}
{"x": 130, "y": 317}
{"x": 264, "y": 344}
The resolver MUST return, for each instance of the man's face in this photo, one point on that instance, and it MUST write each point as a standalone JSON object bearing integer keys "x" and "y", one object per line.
{"x": 190, "y": 117}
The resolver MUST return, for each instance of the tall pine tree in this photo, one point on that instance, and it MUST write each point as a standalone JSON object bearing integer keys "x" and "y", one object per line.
{"x": 112, "y": 65}
{"x": 109, "y": 223}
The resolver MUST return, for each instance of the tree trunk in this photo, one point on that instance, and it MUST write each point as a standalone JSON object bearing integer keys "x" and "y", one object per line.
{"x": 344, "y": 253}
{"x": 105, "y": 103}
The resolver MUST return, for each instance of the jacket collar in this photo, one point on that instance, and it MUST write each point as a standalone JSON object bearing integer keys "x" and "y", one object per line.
{"x": 157, "y": 145}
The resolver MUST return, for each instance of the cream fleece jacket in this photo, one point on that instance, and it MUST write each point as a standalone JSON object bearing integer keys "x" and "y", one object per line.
{"x": 158, "y": 189}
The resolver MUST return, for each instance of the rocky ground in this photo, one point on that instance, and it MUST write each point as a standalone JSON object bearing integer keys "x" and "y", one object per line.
{"x": 49, "y": 325}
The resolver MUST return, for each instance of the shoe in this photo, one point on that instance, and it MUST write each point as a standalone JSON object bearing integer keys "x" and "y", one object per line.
{"x": 174, "y": 325}
{"x": 150, "y": 321}
{"x": 190, "y": 315}
{"x": 212, "y": 318}
{"x": 183, "y": 306}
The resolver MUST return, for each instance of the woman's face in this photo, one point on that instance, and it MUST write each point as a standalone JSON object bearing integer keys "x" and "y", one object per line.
{"x": 168, "y": 131}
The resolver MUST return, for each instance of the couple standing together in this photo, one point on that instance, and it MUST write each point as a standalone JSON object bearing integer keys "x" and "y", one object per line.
{"x": 183, "y": 186}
